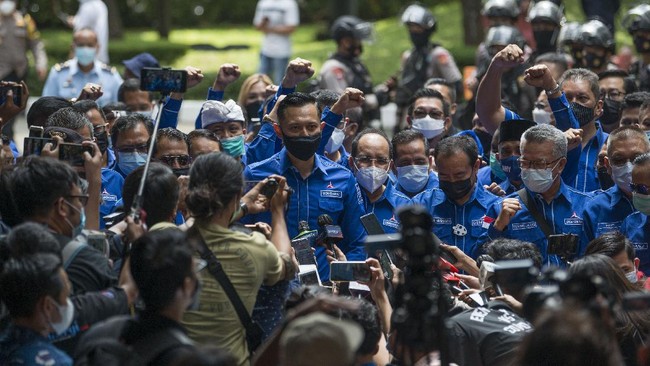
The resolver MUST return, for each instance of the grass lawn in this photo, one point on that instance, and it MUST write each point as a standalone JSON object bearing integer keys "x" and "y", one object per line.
{"x": 381, "y": 56}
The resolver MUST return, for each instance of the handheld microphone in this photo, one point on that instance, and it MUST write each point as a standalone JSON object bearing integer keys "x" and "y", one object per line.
{"x": 328, "y": 234}
{"x": 303, "y": 242}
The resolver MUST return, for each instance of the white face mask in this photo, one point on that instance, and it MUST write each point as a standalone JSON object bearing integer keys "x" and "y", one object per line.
{"x": 428, "y": 126}
{"x": 7, "y": 7}
{"x": 622, "y": 176}
{"x": 541, "y": 116}
{"x": 66, "y": 312}
{"x": 371, "y": 178}
{"x": 538, "y": 180}
{"x": 335, "y": 141}
{"x": 413, "y": 178}
{"x": 631, "y": 276}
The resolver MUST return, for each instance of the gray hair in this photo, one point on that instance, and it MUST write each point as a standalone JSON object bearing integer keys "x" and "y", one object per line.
{"x": 584, "y": 75}
{"x": 547, "y": 133}
{"x": 642, "y": 159}
{"x": 69, "y": 118}
{"x": 627, "y": 133}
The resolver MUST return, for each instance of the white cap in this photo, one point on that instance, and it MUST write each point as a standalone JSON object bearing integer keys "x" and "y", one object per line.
{"x": 215, "y": 111}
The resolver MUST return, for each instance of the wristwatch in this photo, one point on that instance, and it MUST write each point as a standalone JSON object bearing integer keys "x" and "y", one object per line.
{"x": 554, "y": 90}
{"x": 243, "y": 208}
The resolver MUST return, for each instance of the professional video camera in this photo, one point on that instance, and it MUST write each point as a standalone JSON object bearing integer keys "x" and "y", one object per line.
{"x": 420, "y": 310}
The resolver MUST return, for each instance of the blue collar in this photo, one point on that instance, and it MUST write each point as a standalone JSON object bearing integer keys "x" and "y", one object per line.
{"x": 285, "y": 162}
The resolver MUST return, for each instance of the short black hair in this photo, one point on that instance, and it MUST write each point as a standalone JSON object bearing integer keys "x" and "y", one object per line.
{"x": 160, "y": 262}
{"x": 611, "y": 245}
{"x": 508, "y": 249}
{"x": 634, "y": 100}
{"x": 70, "y": 118}
{"x": 555, "y": 58}
{"x": 31, "y": 238}
{"x": 43, "y": 107}
{"x": 86, "y": 105}
{"x": 128, "y": 122}
{"x": 428, "y": 93}
{"x": 209, "y": 193}
{"x": 160, "y": 195}
{"x": 457, "y": 144}
{"x": 406, "y": 137}
{"x": 39, "y": 182}
{"x": 355, "y": 142}
{"x": 204, "y": 133}
{"x": 294, "y": 100}
{"x": 367, "y": 316}
{"x": 628, "y": 82}
{"x": 26, "y": 280}
{"x": 441, "y": 81}
{"x": 170, "y": 133}
{"x": 130, "y": 85}
{"x": 324, "y": 98}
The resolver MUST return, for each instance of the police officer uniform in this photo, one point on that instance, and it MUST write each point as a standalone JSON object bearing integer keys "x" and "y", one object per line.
{"x": 18, "y": 33}
{"x": 23, "y": 346}
{"x": 636, "y": 228}
{"x": 564, "y": 215}
{"x": 460, "y": 226}
{"x": 606, "y": 212}
{"x": 67, "y": 80}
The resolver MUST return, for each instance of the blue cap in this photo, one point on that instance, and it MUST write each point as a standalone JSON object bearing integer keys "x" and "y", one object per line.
{"x": 139, "y": 61}
{"x": 473, "y": 135}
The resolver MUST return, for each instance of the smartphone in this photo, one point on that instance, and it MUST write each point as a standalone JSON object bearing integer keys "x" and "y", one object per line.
{"x": 385, "y": 261}
{"x": 371, "y": 224}
{"x": 34, "y": 145}
{"x": 309, "y": 275}
{"x": 636, "y": 301}
{"x": 448, "y": 256}
{"x": 562, "y": 244}
{"x": 349, "y": 271}
{"x": 17, "y": 90}
{"x": 98, "y": 240}
{"x": 163, "y": 80}
{"x": 74, "y": 153}
{"x": 36, "y": 131}
{"x": 302, "y": 247}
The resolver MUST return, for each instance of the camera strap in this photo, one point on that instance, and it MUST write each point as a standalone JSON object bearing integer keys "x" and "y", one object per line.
{"x": 254, "y": 333}
{"x": 532, "y": 208}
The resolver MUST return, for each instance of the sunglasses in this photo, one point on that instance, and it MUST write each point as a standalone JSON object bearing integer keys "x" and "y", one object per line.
{"x": 182, "y": 160}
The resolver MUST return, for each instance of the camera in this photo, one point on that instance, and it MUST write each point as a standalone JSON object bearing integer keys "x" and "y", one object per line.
{"x": 563, "y": 245}
{"x": 269, "y": 188}
{"x": 164, "y": 80}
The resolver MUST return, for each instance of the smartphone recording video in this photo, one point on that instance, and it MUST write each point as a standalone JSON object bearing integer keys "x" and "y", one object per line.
{"x": 74, "y": 153}
{"x": 17, "y": 90}
{"x": 163, "y": 80}
{"x": 349, "y": 271}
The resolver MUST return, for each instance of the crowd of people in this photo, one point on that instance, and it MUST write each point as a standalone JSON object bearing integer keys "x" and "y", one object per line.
{"x": 127, "y": 241}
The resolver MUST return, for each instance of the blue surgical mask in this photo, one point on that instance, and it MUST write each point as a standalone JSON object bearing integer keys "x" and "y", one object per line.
{"x": 85, "y": 55}
{"x": 495, "y": 167}
{"x": 76, "y": 230}
{"x": 233, "y": 146}
{"x": 641, "y": 202}
{"x": 413, "y": 178}
{"x": 128, "y": 161}
{"x": 511, "y": 168}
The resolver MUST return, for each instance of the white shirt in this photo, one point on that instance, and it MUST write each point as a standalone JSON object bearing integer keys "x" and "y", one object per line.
{"x": 279, "y": 12}
{"x": 93, "y": 14}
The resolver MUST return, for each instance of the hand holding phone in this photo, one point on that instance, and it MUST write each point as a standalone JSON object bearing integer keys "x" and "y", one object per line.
{"x": 164, "y": 80}
{"x": 350, "y": 271}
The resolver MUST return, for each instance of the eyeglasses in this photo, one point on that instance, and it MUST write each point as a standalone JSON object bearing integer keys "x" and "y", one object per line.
{"x": 639, "y": 188}
{"x": 100, "y": 128}
{"x": 539, "y": 164}
{"x": 612, "y": 94}
{"x": 365, "y": 160}
{"x": 83, "y": 198}
{"x": 621, "y": 161}
{"x": 435, "y": 114}
{"x": 142, "y": 148}
{"x": 182, "y": 160}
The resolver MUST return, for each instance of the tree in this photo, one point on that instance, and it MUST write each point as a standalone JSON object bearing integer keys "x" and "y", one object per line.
{"x": 472, "y": 21}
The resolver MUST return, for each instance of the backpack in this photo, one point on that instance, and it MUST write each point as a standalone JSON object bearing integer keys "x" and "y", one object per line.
{"x": 104, "y": 345}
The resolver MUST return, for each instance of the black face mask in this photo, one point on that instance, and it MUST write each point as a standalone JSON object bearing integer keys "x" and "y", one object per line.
{"x": 591, "y": 61}
{"x": 641, "y": 44}
{"x": 545, "y": 40}
{"x": 582, "y": 113}
{"x": 458, "y": 189}
{"x": 352, "y": 50}
{"x": 181, "y": 171}
{"x": 605, "y": 180}
{"x": 102, "y": 141}
{"x": 611, "y": 114}
{"x": 253, "y": 118}
{"x": 302, "y": 148}
{"x": 419, "y": 39}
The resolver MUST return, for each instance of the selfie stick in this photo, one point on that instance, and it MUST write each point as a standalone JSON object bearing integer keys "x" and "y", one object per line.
{"x": 136, "y": 208}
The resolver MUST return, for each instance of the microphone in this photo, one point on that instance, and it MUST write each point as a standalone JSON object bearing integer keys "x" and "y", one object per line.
{"x": 328, "y": 234}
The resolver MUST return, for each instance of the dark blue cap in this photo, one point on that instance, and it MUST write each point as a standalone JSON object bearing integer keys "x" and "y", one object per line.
{"x": 139, "y": 61}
